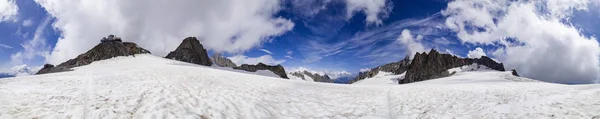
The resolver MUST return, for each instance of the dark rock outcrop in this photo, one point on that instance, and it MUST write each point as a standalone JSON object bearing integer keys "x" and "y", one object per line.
{"x": 105, "y": 50}
{"x": 315, "y": 76}
{"x": 514, "y": 72}
{"x": 48, "y": 68}
{"x": 278, "y": 70}
{"x": 488, "y": 62}
{"x": 221, "y": 61}
{"x": 435, "y": 65}
{"x": 394, "y": 67}
{"x": 190, "y": 50}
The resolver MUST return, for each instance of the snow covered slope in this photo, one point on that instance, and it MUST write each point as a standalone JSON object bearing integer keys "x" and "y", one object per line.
{"x": 146, "y": 86}
{"x": 382, "y": 78}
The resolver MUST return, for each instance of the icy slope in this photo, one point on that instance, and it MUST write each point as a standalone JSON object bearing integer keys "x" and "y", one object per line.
{"x": 152, "y": 87}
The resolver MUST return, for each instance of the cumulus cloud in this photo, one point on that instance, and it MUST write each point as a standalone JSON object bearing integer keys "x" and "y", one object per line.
{"x": 412, "y": 44}
{"x": 476, "y": 53}
{"x": 225, "y": 25}
{"x": 375, "y": 10}
{"x": 266, "y": 51}
{"x": 265, "y": 59}
{"x": 21, "y": 70}
{"x": 535, "y": 37}
{"x": 8, "y": 10}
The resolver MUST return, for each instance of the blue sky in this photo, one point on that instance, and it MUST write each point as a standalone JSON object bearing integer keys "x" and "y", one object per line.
{"x": 321, "y": 35}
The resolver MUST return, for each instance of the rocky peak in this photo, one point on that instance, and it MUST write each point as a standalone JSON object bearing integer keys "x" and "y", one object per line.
{"x": 190, "y": 50}
{"x": 222, "y": 61}
{"x": 279, "y": 70}
{"x": 394, "y": 67}
{"x": 315, "y": 76}
{"x": 435, "y": 65}
{"x": 108, "y": 48}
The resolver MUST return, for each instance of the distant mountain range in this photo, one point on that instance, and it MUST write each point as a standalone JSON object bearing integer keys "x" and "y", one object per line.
{"x": 423, "y": 66}
{"x": 20, "y": 70}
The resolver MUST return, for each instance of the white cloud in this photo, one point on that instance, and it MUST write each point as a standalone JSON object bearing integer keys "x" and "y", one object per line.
{"x": 547, "y": 46}
{"x": 27, "y": 23}
{"x": 376, "y": 45}
{"x": 21, "y": 70}
{"x": 5, "y": 46}
{"x": 8, "y": 10}
{"x": 224, "y": 25}
{"x": 265, "y": 59}
{"x": 266, "y": 51}
{"x": 442, "y": 41}
{"x": 375, "y": 10}
{"x": 35, "y": 47}
{"x": 289, "y": 55}
{"x": 365, "y": 70}
{"x": 448, "y": 51}
{"x": 232, "y": 26}
{"x": 412, "y": 44}
{"x": 476, "y": 53}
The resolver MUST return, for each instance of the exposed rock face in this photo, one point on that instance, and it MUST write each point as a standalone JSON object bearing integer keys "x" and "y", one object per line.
{"x": 279, "y": 70}
{"x": 105, "y": 50}
{"x": 315, "y": 76}
{"x": 395, "y": 67}
{"x": 435, "y": 65}
{"x": 488, "y": 62}
{"x": 221, "y": 61}
{"x": 190, "y": 50}
{"x": 48, "y": 68}
{"x": 514, "y": 72}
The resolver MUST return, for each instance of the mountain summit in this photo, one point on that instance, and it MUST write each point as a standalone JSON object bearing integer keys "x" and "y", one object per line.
{"x": 108, "y": 48}
{"x": 190, "y": 50}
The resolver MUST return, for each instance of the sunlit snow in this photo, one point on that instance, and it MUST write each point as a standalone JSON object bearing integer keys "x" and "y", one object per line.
{"x": 147, "y": 86}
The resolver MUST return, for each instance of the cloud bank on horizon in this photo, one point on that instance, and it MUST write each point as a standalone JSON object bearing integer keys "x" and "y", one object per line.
{"x": 538, "y": 38}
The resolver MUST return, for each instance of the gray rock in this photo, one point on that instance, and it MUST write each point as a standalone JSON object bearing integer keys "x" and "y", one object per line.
{"x": 435, "y": 65}
{"x": 190, "y": 50}
{"x": 221, "y": 61}
{"x": 514, "y": 72}
{"x": 49, "y": 68}
{"x": 279, "y": 70}
{"x": 394, "y": 67}
{"x": 315, "y": 76}
{"x": 105, "y": 50}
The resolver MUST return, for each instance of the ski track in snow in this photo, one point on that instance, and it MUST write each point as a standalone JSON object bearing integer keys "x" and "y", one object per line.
{"x": 151, "y": 87}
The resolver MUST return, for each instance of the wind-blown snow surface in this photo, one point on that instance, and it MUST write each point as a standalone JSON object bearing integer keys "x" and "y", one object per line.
{"x": 152, "y": 87}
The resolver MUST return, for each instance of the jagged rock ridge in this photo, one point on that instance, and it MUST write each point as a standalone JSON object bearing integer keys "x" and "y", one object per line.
{"x": 108, "y": 48}
{"x": 190, "y": 50}
{"x": 278, "y": 70}
{"x": 394, "y": 67}
{"x": 435, "y": 65}
{"x": 222, "y": 61}
{"x": 315, "y": 76}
